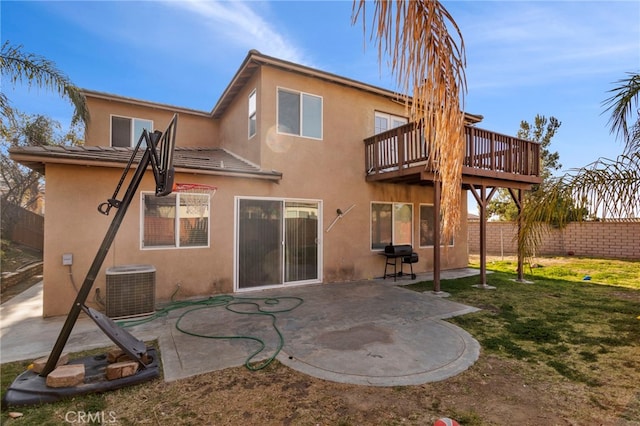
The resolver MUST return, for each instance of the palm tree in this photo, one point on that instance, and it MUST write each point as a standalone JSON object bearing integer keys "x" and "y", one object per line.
{"x": 428, "y": 62}
{"x": 21, "y": 67}
{"x": 604, "y": 189}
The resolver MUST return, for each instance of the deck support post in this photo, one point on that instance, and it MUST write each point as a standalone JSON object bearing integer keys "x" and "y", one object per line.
{"x": 437, "y": 186}
{"x": 481, "y": 196}
{"x": 518, "y": 195}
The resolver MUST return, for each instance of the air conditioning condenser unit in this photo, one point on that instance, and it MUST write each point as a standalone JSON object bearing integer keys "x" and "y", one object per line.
{"x": 131, "y": 290}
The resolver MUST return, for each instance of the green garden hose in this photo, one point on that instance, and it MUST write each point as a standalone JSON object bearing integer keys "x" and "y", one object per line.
{"x": 229, "y": 302}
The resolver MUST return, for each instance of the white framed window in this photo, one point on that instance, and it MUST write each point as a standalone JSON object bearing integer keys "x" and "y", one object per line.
{"x": 384, "y": 121}
{"x": 391, "y": 223}
{"x": 125, "y": 131}
{"x": 427, "y": 226}
{"x": 299, "y": 114}
{"x": 178, "y": 220}
{"x": 252, "y": 114}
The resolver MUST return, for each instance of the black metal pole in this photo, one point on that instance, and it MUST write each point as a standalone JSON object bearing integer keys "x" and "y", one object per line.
{"x": 83, "y": 293}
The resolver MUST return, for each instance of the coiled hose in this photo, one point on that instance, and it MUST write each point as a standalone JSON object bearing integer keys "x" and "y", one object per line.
{"x": 259, "y": 305}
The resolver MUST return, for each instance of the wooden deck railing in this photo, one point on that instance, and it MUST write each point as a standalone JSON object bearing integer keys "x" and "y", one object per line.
{"x": 405, "y": 147}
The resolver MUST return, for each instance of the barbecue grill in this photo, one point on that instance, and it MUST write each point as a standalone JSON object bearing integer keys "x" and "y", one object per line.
{"x": 405, "y": 254}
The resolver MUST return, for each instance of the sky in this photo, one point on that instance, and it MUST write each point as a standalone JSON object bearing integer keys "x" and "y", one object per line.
{"x": 554, "y": 58}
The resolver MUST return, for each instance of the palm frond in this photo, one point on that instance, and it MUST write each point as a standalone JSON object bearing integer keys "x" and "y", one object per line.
{"x": 612, "y": 187}
{"x": 428, "y": 63}
{"x": 622, "y": 105}
{"x": 633, "y": 143}
{"x": 602, "y": 190}
{"x": 31, "y": 69}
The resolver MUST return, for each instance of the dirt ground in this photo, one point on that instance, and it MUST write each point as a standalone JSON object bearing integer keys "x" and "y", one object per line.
{"x": 494, "y": 391}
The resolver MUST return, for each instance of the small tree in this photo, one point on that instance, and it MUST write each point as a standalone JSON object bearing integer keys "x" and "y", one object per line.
{"x": 21, "y": 185}
{"x": 542, "y": 131}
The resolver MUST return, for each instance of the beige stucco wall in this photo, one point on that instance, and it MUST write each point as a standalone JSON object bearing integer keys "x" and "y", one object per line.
{"x": 194, "y": 129}
{"x": 73, "y": 225}
{"x": 330, "y": 170}
{"x": 234, "y": 127}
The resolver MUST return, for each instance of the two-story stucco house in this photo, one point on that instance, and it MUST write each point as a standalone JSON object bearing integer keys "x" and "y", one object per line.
{"x": 288, "y": 148}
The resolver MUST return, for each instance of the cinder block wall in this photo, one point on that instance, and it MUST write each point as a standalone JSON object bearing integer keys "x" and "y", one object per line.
{"x": 611, "y": 240}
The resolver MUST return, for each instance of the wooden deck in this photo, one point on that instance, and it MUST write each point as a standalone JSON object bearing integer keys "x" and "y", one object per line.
{"x": 401, "y": 155}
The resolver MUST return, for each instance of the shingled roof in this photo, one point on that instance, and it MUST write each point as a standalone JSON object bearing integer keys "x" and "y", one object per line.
{"x": 212, "y": 161}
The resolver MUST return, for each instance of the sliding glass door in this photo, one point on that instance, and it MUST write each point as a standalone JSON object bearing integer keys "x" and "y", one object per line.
{"x": 277, "y": 242}
{"x": 301, "y": 241}
{"x": 259, "y": 243}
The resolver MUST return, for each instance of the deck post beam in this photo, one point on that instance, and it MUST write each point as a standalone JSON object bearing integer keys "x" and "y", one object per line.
{"x": 437, "y": 186}
{"x": 518, "y": 195}
{"x": 481, "y": 196}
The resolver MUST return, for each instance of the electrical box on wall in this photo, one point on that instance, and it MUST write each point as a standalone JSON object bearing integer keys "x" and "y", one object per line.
{"x": 67, "y": 259}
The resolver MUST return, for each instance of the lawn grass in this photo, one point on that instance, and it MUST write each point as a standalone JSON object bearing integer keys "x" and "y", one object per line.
{"x": 620, "y": 273}
{"x": 579, "y": 328}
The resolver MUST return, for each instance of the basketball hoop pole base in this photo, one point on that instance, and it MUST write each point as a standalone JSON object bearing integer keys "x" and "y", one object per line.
{"x": 29, "y": 388}
{"x": 136, "y": 349}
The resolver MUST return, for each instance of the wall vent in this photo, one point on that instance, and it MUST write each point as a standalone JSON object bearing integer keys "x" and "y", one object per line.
{"x": 131, "y": 290}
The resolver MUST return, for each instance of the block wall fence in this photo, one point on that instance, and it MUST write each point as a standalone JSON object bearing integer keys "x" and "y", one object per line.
{"x": 609, "y": 240}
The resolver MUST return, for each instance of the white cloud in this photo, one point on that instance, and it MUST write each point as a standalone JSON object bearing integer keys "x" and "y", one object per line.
{"x": 239, "y": 24}
{"x": 531, "y": 43}
{"x": 203, "y": 30}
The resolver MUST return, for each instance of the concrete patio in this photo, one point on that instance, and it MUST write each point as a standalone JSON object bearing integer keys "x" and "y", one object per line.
{"x": 370, "y": 333}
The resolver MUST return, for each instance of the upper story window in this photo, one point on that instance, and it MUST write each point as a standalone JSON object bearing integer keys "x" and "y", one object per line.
{"x": 125, "y": 131}
{"x": 299, "y": 114}
{"x": 252, "y": 114}
{"x": 385, "y": 121}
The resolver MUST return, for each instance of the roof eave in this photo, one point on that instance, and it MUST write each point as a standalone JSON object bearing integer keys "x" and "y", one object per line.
{"x": 38, "y": 163}
{"x": 260, "y": 174}
{"x": 143, "y": 103}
